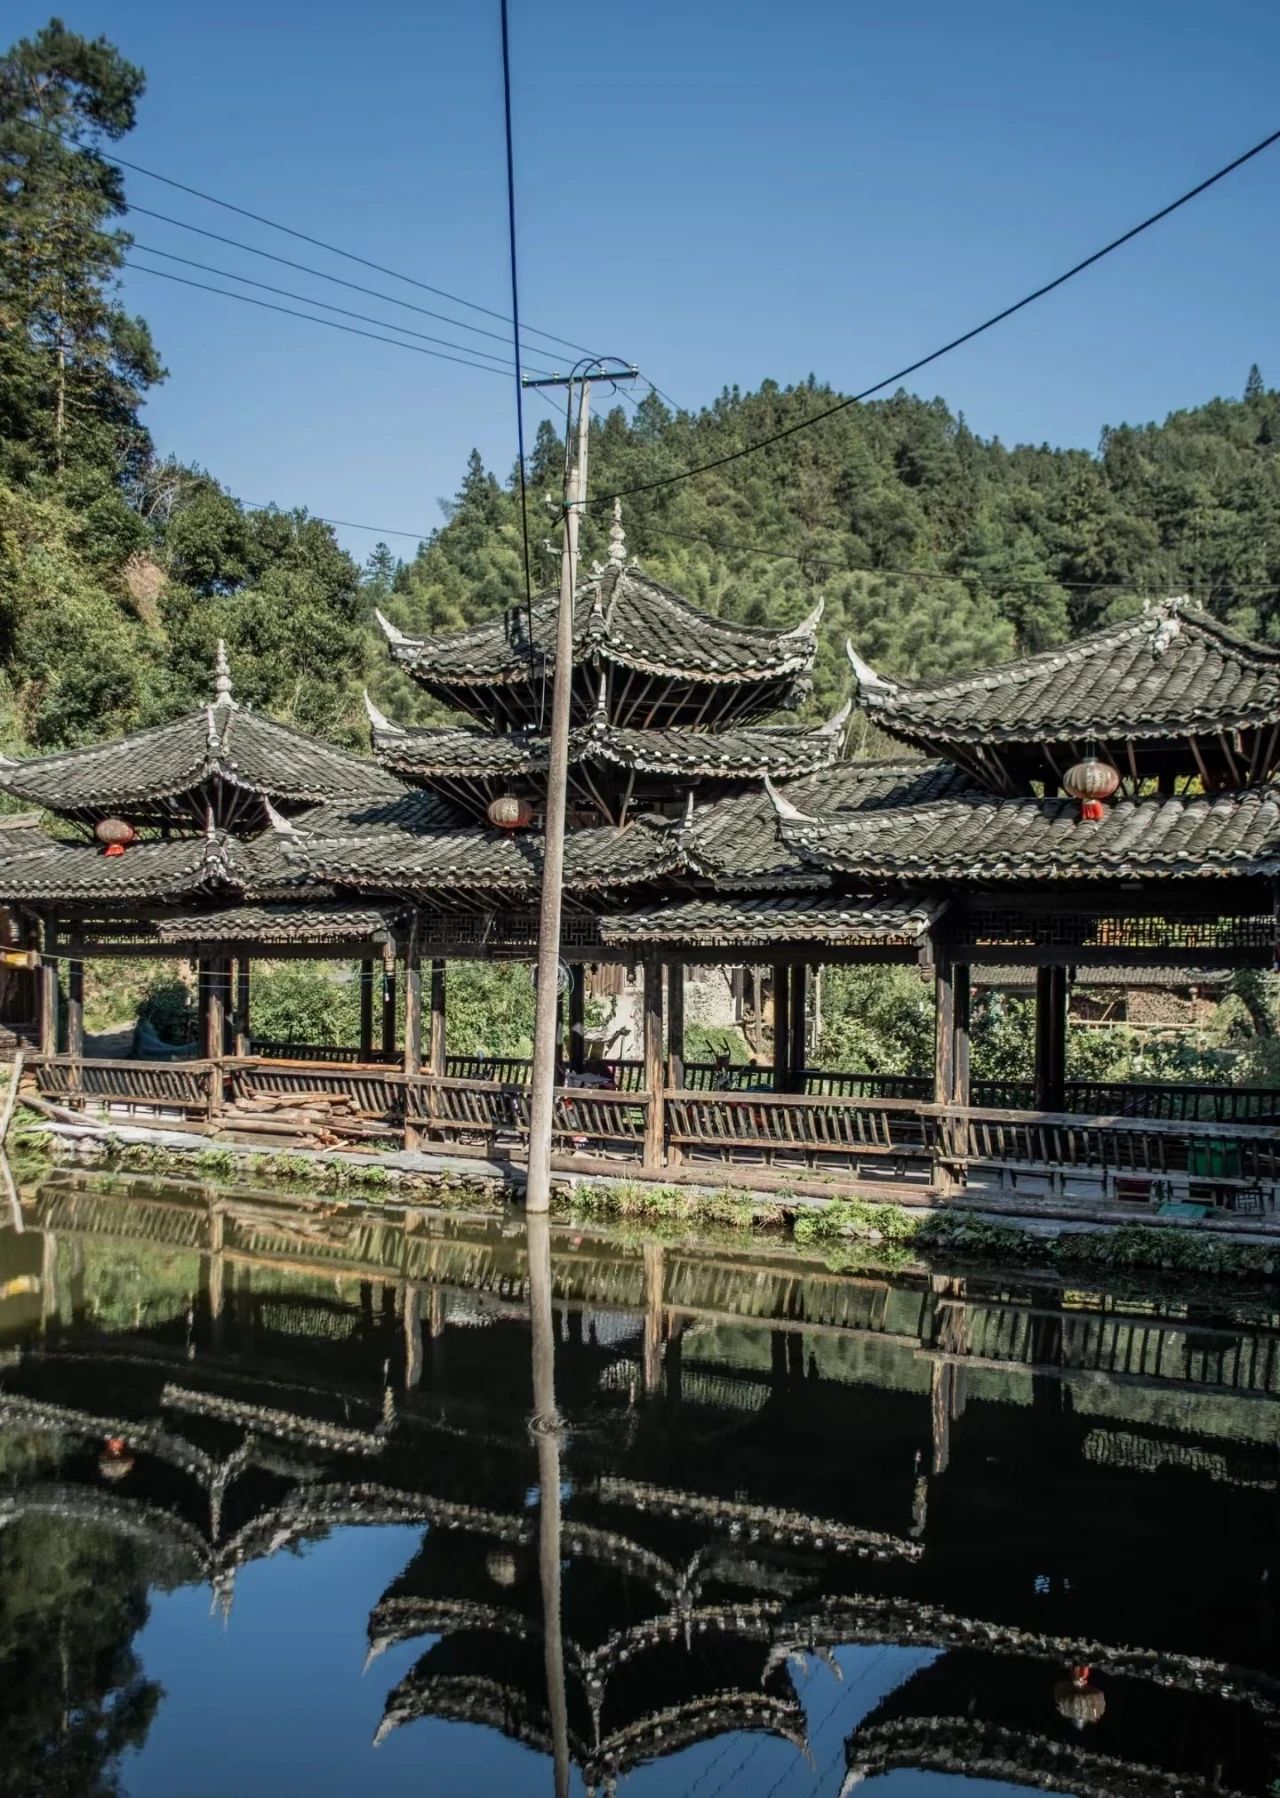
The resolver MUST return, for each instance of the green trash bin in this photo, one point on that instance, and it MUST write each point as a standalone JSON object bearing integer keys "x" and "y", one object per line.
{"x": 1213, "y": 1158}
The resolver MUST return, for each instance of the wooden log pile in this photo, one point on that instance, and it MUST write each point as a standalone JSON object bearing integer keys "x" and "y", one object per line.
{"x": 310, "y": 1120}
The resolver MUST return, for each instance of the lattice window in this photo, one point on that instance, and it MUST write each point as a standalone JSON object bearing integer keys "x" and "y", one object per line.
{"x": 1011, "y": 928}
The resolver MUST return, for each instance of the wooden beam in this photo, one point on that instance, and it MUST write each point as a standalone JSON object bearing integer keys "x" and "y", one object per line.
{"x": 217, "y": 978}
{"x": 47, "y": 1001}
{"x": 366, "y": 1011}
{"x": 413, "y": 1013}
{"x": 944, "y": 1031}
{"x": 654, "y": 1133}
{"x": 436, "y": 1043}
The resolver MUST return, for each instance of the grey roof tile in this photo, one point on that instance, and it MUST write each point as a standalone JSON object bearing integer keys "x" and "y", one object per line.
{"x": 1169, "y": 670}
{"x": 763, "y": 922}
{"x": 625, "y": 616}
{"x": 971, "y": 837}
{"x": 220, "y": 742}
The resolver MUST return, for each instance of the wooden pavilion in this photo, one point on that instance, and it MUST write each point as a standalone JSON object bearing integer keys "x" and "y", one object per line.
{"x": 698, "y": 833}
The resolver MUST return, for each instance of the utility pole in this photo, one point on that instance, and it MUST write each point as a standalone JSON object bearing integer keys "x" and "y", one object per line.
{"x": 538, "y": 1183}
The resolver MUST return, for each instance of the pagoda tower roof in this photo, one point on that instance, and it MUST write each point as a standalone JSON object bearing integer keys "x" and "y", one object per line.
{"x": 214, "y": 759}
{"x": 668, "y": 662}
{"x": 1170, "y": 691}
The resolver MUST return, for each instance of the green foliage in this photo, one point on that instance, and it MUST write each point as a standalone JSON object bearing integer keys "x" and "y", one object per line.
{"x": 489, "y": 1008}
{"x": 304, "y": 1002}
{"x": 877, "y": 1019}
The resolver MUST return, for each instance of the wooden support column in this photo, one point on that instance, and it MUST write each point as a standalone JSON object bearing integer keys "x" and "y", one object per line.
{"x": 654, "y": 1273}
{"x": 798, "y": 1001}
{"x": 217, "y": 978}
{"x": 366, "y": 1011}
{"x": 412, "y": 1033}
{"x": 655, "y": 1133}
{"x": 75, "y": 1009}
{"x": 577, "y": 1017}
{"x": 412, "y": 1324}
{"x": 781, "y": 1024}
{"x": 437, "y": 1047}
{"x": 243, "y": 1038}
{"x": 1051, "y": 1039}
{"x": 389, "y": 1011}
{"x": 944, "y": 1031}
{"x": 944, "y": 1062}
{"x": 961, "y": 997}
{"x": 47, "y": 997}
{"x": 675, "y": 1024}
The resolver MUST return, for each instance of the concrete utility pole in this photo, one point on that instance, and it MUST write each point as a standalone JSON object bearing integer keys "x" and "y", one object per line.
{"x": 538, "y": 1187}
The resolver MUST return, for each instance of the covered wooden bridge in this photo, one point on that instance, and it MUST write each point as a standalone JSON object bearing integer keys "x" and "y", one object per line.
{"x": 1107, "y": 805}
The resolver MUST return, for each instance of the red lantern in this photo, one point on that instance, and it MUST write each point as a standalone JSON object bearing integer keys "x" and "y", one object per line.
{"x": 1078, "y": 1699}
{"x": 115, "y": 1461}
{"x": 509, "y": 813}
{"x": 115, "y": 835}
{"x": 1092, "y": 782}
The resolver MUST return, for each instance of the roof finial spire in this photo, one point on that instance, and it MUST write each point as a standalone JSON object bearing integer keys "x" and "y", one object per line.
{"x": 617, "y": 538}
{"x": 222, "y": 673}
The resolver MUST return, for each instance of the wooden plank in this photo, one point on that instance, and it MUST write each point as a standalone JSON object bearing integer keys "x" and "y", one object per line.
{"x": 654, "y": 1136}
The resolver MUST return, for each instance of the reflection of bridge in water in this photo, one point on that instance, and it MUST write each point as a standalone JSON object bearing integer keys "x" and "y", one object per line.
{"x": 767, "y": 1460}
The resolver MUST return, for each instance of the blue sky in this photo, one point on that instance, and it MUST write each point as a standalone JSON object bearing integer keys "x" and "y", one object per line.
{"x": 720, "y": 192}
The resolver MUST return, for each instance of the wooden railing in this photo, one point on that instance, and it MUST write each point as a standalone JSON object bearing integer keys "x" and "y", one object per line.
{"x": 339, "y": 1054}
{"x": 885, "y": 1134}
{"x": 1177, "y": 1158}
{"x": 516, "y": 1070}
{"x": 1172, "y": 1100}
{"x": 168, "y": 1086}
{"x": 1233, "y": 1156}
{"x": 489, "y": 1115}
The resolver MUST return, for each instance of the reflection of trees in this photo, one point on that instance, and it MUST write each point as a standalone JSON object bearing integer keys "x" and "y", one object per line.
{"x": 74, "y": 1693}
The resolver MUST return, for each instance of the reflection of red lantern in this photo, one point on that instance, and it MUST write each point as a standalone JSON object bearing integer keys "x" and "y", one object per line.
{"x": 1092, "y": 782}
{"x": 115, "y": 1461}
{"x": 509, "y": 813}
{"x": 1078, "y": 1700}
{"x": 115, "y": 835}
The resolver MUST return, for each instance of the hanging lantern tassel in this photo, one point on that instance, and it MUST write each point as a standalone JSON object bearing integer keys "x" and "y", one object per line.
{"x": 1092, "y": 782}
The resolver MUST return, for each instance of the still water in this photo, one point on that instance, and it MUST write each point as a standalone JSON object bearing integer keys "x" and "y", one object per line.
{"x": 313, "y": 1501}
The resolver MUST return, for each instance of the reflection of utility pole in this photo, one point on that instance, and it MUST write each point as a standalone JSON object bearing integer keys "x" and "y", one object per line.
{"x": 547, "y": 1428}
{"x": 542, "y": 1100}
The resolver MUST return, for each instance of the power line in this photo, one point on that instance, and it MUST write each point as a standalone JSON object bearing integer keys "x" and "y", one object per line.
{"x": 286, "y": 293}
{"x": 966, "y": 337}
{"x": 320, "y": 244}
{"x": 305, "y": 268}
{"x": 515, "y": 318}
{"x": 247, "y": 299}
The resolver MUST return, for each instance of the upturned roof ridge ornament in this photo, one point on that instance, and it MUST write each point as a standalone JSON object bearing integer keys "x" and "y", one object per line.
{"x": 807, "y": 627}
{"x": 865, "y": 675}
{"x": 836, "y": 724}
{"x": 786, "y": 812}
{"x": 617, "y": 538}
{"x": 379, "y": 721}
{"x": 277, "y": 820}
{"x": 392, "y": 632}
{"x": 222, "y": 675}
{"x": 1164, "y": 617}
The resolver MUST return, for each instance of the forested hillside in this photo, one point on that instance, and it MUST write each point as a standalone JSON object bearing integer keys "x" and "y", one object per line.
{"x": 934, "y": 547}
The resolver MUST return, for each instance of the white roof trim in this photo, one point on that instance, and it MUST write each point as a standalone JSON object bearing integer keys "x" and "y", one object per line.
{"x": 379, "y": 720}
{"x": 790, "y": 814}
{"x": 807, "y": 627}
{"x": 865, "y": 675}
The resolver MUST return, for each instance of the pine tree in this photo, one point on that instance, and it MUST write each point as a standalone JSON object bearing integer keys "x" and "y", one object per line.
{"x": 75, "y": 364}
{"x": 1253, "y": 387}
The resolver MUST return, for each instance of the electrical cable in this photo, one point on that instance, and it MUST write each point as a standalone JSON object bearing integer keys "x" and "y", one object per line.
{"x": 286, "y": 293}
{"x": 750, "y": 449}
{"x": 318, "y": 243}
{"x": 247, "y": 299}
{"x": 304, "y": 268}
{"x": 515, "y": 322}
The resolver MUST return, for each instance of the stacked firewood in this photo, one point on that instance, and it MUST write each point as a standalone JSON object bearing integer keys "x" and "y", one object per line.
{"x": 318, "y": 1120}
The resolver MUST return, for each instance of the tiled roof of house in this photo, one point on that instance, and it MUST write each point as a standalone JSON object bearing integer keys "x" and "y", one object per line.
{"x": 759, "y": 923}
